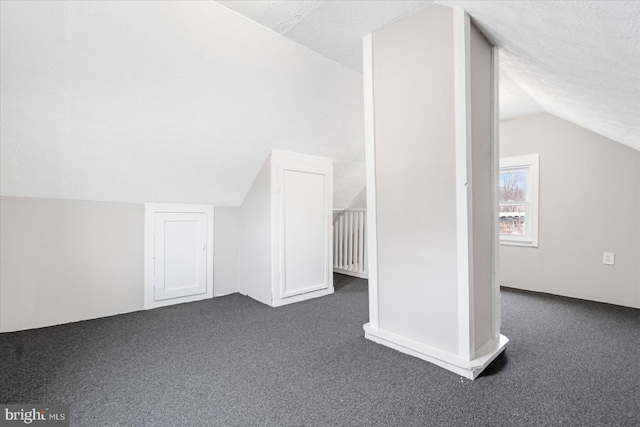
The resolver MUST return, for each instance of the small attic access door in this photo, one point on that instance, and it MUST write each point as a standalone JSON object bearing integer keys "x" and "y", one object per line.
{"x": 178, "y": 253}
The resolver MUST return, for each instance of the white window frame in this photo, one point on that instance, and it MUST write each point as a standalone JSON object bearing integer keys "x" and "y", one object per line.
{"x": 530, "y": 164}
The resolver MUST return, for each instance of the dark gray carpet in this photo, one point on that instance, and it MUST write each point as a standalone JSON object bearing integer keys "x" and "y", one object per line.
{"x": 232, "y": 361}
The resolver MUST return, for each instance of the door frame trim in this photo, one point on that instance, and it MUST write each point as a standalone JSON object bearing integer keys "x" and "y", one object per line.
{"x": 150, "y": 209}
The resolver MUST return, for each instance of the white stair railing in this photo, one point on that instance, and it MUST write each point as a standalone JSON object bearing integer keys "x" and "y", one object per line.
{"x": 349, "y": 244}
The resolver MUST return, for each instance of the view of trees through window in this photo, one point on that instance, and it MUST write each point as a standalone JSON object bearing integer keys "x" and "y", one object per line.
{"x": 513, "y": 202}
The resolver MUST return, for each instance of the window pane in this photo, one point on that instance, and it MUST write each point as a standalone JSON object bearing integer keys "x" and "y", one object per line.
{"x": 513, "y": 219}
{"x": 513, "y": 186}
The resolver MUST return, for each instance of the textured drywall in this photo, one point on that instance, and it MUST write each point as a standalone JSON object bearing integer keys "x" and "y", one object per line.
{"x": 181, "y": 102}
{"x": 589, "y": 204}
{"x": 514, "y": 101}
{"x": 164, "y": 102}
{"x": 333, "y": 28}
{"x": 579, "y": 60}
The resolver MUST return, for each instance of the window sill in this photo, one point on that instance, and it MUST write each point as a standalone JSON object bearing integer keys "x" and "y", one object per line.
{"x": 524, "y": 243}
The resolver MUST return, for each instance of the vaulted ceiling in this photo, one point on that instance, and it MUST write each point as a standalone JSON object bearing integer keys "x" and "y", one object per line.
{"x": 578, "y": 60}
{"x": 182, "y": 101}
{"x": 161, "y": 101}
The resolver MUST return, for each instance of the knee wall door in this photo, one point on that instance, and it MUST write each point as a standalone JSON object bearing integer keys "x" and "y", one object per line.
{"x": 180, "y": 268}
{"x": 178, "y": 253}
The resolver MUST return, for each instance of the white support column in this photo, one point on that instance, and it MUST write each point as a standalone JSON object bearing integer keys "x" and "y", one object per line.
{"x": 433, "y": 286}
{"x": 495, "y": 170}
{"x": 462, "y": 93}
{"x": 370, "y": 150}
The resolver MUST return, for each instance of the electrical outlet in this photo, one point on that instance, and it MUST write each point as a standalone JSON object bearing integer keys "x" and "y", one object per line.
{"x": 608, "y": 258}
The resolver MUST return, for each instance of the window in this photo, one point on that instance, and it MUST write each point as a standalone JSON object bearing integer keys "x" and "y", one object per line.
{"x": 518, "y": 190}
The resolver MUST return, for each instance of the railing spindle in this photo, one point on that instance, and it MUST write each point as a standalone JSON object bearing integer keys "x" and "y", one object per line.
{"x": 340, "y": 237}
{"x": 354, "y": 227}
{"x": 360, "y": 241}
{"x": 349, "y": 245}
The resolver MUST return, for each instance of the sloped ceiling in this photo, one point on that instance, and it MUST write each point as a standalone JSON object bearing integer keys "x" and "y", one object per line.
{"x": 182, "y": 101}
{"x": 164, "y": 102}
{"x": 578, "y": 60}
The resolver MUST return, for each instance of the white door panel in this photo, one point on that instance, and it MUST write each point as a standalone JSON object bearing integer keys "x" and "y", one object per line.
{"x": 304, "y": 230}
{"x": 180, "y": 267}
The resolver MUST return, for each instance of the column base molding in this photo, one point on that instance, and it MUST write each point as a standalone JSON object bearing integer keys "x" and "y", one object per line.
{"x": 468, "y": 369}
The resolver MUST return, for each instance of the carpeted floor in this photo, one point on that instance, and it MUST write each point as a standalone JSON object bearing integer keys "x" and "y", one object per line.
{"x": 232, "y": 361}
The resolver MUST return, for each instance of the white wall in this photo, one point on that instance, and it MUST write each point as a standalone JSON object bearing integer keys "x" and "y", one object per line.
{"x": 589, "y": 204}
{"x": 254, "y": 239}
{"x": 63, "y": 261}
{"x": 481, "y": 187}
{"x": 164, "y": 101}
{"x": 225, "y": 271}
{"x": 414, "y": 137}
{"x": 360, "y": 201}
{"x": 171, "y": 102}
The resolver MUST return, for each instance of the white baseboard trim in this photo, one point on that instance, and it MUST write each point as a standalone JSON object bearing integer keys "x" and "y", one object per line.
{"x": 362, "y": 275}
{"x": 149, "y": 305}
{"x": 278, "y": 302}
{"x": 468, "y": 369}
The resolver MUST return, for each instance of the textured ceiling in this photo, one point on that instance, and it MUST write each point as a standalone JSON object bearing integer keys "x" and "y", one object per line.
{"x": 578, "y": 60}
{"x": 333, "y": 28}
{"x": 182, "y": 101}
{"x": 515, "y": 101}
